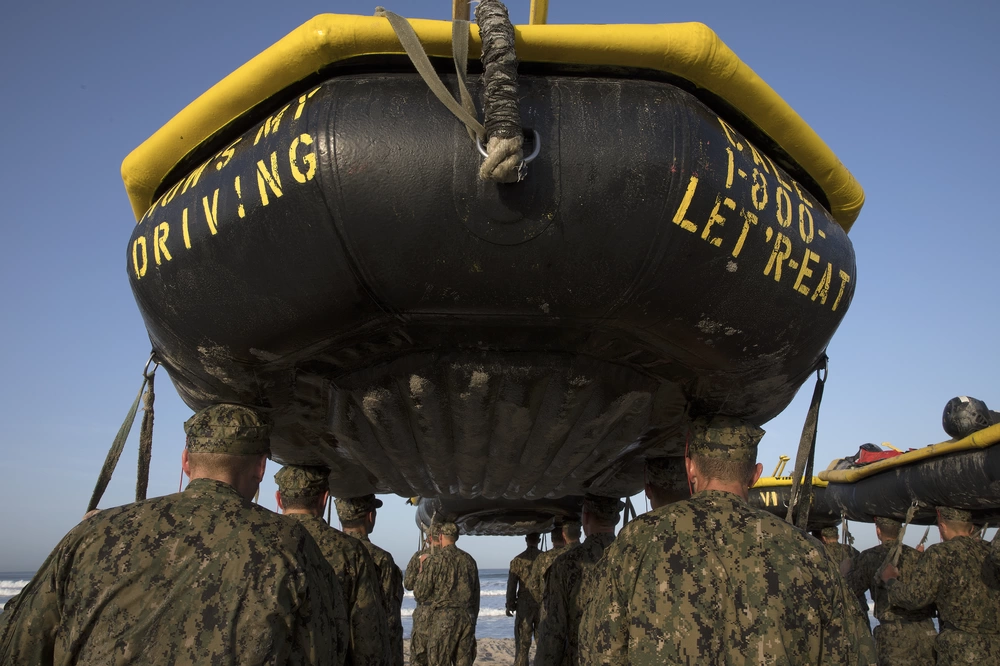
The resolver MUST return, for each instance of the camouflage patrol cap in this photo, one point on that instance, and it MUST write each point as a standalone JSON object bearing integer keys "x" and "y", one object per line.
{"x": 885, "y": 523}
{"x": 666, "y": 472}
{"x": 957, "y": 515}
{"x": 352, "y": 509}
{"x": 829, "y": 532}
{"x": 301, "y": 481}
{"x": 603, "y": 508}
{"x": 445, "y": 529}
{"x": 724, "y": 437}
{"x": 228, "y": 428}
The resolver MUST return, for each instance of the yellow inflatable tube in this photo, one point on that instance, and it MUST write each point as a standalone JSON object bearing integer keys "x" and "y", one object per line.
{"x": 783, "y": 481}
{"x": 689, "y": 50}
{"x": 977, "y": 440}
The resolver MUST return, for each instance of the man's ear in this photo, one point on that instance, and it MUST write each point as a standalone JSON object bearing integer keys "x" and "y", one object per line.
{"x": 277, "y": 498}
{"x": 756, "y": 474}
{"x": 186, "y": 463}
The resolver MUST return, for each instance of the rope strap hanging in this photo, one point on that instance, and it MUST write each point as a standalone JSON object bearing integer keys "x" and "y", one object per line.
{"x": 111, "y": 461}
{"x": 145, "y": 438}
{"x": 893, "y": 555}
{"x": 801, "y": 497}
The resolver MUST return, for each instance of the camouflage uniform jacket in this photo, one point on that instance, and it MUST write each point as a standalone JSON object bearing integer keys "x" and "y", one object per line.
{"x": 565, "y": 597}
{"x": 539, "y": 568}
{"x": 449, "y": 579}
{"x": 358, "y": 578}
{"x": 711, "y": 580}
{"x": 955, "y": 576}
{"x": 863, "y": 577}
{"x": 838, "y": 552}
{"x": 391, "y": 582}
{"x": 519, "y": 594}
{"x": 198, "y": 577}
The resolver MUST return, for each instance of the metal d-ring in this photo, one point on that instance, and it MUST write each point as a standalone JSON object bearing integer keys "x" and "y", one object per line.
{"x": 534, "y": 153}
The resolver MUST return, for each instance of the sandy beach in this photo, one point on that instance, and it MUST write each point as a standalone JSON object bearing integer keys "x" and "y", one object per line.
{"x": 493, "y": 651}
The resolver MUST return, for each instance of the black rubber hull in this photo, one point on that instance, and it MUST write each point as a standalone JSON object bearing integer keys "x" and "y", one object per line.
{"x": 484, "y": 517}
{"x": 774, "y": 499}
{"x": 425, "y": 333}
{"x": 969, "y": 480}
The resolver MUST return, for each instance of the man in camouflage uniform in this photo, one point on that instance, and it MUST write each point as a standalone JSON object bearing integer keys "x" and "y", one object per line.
{"x": 544, "y": 560}
{"x": 711, "y": 580}
{"x": 665, "y": 481}
{"x": 204, "y": 576}
{"x": 448, "y": 584}
{"x": 567, "y": 587}
{"x": 903, "y": 637}
{"x": 302, "y": 494}
{"x": 838, "y": 552}
{"x": 357, "y": 518}
{"x": 521, "y": 599}
{"x": 956, "y": 576}
{"x": 418, "y": 632}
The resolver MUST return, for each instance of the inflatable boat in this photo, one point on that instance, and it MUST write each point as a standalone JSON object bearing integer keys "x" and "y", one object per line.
{"x": 313, "y": 239}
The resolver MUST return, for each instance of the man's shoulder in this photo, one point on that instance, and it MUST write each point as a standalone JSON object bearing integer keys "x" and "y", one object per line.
{"x": 333, "y": 541}
{"x": 381, "y": 556}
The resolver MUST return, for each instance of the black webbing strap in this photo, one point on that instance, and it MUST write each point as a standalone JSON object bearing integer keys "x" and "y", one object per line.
{"x": 801, "y": 496}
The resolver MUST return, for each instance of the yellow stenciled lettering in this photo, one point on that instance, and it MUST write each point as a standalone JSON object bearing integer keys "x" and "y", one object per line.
{"x": 226, "y": 155}
{"x": 758, "y": 159}
{"x": 730, "y": 134}
{"x": 212, "y": 212}
{"x": 302, "y": 103}
{"x": 784, "y": 206}
{"x": 184, "y": 228}
{"x": 844, "y": 279}
{"x": 270, "y": 126}
{"x": 777, "y": 173}
{"x": 729, "y": 170}
{"x": 807, "y": 228}
{"x": 682, "y": 210}
{"x": 798, "y": 190}
{"x": 309, "y": 159}
{"x": 715, "y": 218}
{"x": 805, "y": 272}
{"x": 193, "y": 177}
{"x": 758, "y": 193}
{"x": 160, "y": 234}
{"x": 823, "y": 288}
{"x": 171, "y": 193}
{"x": 270, "y": 178}
{"x": 782, "y": 251}
{"x": 140, "y": 271}
{"x": 239, "y": 193}
{"x": 748, "y": 219}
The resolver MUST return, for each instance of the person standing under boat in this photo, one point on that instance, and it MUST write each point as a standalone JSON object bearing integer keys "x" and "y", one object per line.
{"x": 357, "y": 518}
{"x": 958, "y": 577}
{"x": 712, "y": 580}
{"x": 903, "y": 637}
{"x": 302, "y": 495}
{"x": 204, "y": 576}
{"x": 448, "y": 584}
{"x": 418, "y": 632}
{"x": 544, "y": 560}
{"x": 567, "y": 586}
{"x": 521, "y": 600}
{"x": 842, "y": 555}
{"x": 665, "y": 481}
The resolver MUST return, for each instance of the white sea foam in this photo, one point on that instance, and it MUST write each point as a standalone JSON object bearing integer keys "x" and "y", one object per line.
{"x": 9, "y": 588}
{"x": 483, "y": 612}
{"x": 482, "y": 593}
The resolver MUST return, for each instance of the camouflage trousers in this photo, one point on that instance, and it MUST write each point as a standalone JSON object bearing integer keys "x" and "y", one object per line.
{"x": 525, "y": 626}
{"x": 958, "y": 647}
{"x": 418, "y": 640}
{"x": 450, "y": 637}
{"x": 905, "y": 643}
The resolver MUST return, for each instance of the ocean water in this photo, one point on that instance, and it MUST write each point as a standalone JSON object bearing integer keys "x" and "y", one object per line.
{"x": 493, "y": 622}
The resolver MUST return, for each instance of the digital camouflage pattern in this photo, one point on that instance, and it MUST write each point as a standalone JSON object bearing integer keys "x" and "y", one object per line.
{"x": 302, "y": 481}
{"x": 227, "y": 428}
{"x": 711, "y": 580}
{"x": 838, "y": 552}
{"x": 351, "y": 509}
{"x": 358, "y": 579}
{"x": 605, "y": 509}
{"x": 539, "y": 569}
{"x": 957, "y": 577}
{"x": 391, "y": 581}
{"x": 724, "y": 437}
{"x": 566, "y": 594}
{"x": 903, "y": 637}
{"x": 953, "y": 514}
{"x": 522, "y": 602}
{"x": 448, "y": 586}
{"x": 198, "y": 577}
{"x": 418, "y": 633}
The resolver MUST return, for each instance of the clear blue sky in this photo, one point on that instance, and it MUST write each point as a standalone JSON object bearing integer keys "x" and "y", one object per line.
{"x": 904, "y": 92}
